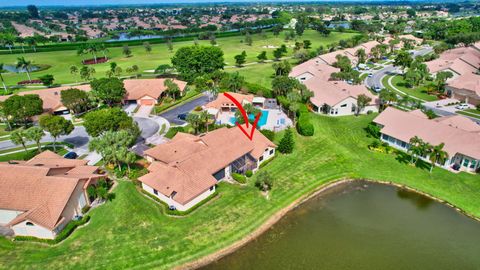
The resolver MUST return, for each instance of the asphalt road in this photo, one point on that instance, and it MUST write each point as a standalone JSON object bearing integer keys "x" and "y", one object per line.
{"x": 147, "y": 126}
{"x": 376, "y": 79}
{"x": 172, "y": 115}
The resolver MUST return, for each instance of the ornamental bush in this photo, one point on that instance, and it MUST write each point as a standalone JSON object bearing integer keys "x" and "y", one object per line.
{"x": 248, "y": 173}
{"x": 304, "y": 126}
{"x": 239, "y": 178}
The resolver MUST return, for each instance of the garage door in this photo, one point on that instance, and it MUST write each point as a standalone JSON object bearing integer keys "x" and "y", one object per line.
{"x": 147, "y": 102}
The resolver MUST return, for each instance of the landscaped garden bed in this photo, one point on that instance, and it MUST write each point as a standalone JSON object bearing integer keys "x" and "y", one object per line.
{"x": 99, "y": 60}
{"x": 30, "y": 82}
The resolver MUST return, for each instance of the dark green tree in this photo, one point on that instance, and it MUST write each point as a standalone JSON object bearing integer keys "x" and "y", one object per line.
{"x": 56, "y": 126}
{"x": 193, "y": 61}
{"x": 287, "y": 143}
{"x": 108, "y": 90}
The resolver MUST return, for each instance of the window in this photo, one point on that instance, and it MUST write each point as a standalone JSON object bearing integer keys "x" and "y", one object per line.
{"x": 211, "y": 188}
{"x": 155, "y": 191}
{"x": 271, "y": 152}
{"x": 473, "y": 164}
{"x": 29, "y": 223}
{"x": 465, "y": 162}
{"x": 261, "y": 158}
{"x": 266, "y": 149}
{"x": 343, "y": 105}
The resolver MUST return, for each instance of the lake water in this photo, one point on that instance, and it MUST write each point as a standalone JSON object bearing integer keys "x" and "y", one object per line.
{"x": 364, "y": 226}
{"x": 11, "y": 68}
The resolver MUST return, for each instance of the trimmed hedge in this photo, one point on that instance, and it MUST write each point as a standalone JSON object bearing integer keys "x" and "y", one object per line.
{"x": 258, "y": 89}
{"x": 68, "y": 230}
{"x": 173, "y": 131}
{"x": 269, "y": 134}
{"x": 166, "y": 209}
{"x": 242, "y": 179}
{"x": 304, "y": 126}
{"x": 248, "y": 173}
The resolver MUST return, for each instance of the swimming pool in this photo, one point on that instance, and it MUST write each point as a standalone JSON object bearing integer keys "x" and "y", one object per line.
{"x": 261, "y": 122}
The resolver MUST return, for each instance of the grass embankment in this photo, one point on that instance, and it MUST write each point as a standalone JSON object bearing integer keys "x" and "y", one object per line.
{"x": 60, "y": 61}
{"x": 131, "y": 231}
{"x": 31, "y": 152}
{"x": 399, "y": 83}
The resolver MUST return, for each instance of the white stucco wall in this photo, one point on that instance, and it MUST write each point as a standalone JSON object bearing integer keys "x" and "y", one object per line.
{"x": 35, "y": 230}
{"x": 266, "y": 156}
{"x": 8, "y": 215}
{"x": 177, "y": 205}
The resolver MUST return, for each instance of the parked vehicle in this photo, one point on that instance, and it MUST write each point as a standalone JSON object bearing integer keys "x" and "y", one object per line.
{"x": 370, "y": 75}
{"x": 462, "y": 106}
{"x": 71, "y": 155}
{"x": 182, "y": 116}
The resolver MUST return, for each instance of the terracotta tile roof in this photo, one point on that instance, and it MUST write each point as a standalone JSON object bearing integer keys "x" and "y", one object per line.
{"x": 51, "y": 96}
{"x": 186, "y": 164}
{"x": 469, "y": 82}
{"x": 334, "y": 92}
{"x": 138, "y": 88}
{"x": 223, "y": 101}
{"x": 405, "y": 125}
{"x": 315, "y": 67}
{"x": 41, "y": 196}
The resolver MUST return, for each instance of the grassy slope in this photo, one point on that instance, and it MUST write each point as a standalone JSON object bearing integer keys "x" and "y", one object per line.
{"x": 60, "y": 62}
{"x": 131, "y": 231}
{"x": 419, "y": 92}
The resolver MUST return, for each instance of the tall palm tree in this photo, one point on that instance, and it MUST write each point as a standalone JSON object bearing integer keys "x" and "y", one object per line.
{"x": 414, "y": 148}
{"x": 437, "y": 155}
{"x": 1, "y": 76}
{"x": 104, "y": 50}
{"x": 205, "y": 118}
{"x": 24, "y": 64}
{"x": 93, "y": 49}
{"x": 74, "y": 71}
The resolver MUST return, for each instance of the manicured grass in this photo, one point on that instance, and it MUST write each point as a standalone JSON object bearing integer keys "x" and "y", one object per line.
{"x": 468, "y": 113}
{"x": 22, "y": 155}
{"x": 261, "y": 73}
{"x": 475, "y": 111}
{"x": 132, "y": 232}
{"x": 164, "y": 106}
{"x": 61, "y": 61}
{"x": 419, "y": 92}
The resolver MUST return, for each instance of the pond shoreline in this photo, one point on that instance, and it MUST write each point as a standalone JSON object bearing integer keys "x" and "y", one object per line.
{"x": 203, "y": 261}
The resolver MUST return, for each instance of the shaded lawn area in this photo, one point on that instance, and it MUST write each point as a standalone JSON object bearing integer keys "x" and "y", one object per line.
{"x": 131, "y": 231}
{"x": 60, "y": 61}
{"x": 419, "y": 92}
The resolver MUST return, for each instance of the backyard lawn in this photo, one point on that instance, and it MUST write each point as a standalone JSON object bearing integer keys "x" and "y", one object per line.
{"x": 60, "y": 61}
{"x": 419, "y": 92}
{"x": 131, "y": 231}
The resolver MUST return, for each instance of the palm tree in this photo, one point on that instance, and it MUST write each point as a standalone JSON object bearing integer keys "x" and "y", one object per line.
{"x": 387, "y": 97}
{"x": 74, "y": 71}
{"x": 437, "y": 155}
{"x": 361, "y": 55}
{"x": 1, "y": 76}
{"x": 35, "y": 134}
{"x": 414, "y": 148}
{"x": 104, "y": 50}
{"x": 18, "y": 137}
{"x": 205, "y": 118}
{"x": 194, "y": 121}
{"x": 24, "y": 64}
{"x": 93, "y": 49}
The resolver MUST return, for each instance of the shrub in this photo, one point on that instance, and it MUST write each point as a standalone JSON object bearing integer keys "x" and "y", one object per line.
{"x": 85, "y": 209}
{"x": 264, "y": 181}
{"x": 69, "y": 228}
{"x": 269, "y": 134}
{"x": 287, "y": 143}
{"x": 173, "y": 131}
{"x": 198, "y": 108}
{"x": 373, "y": 130}
{"x": 258, "y": 90}
{"x": 239, "y": 178}
{"x": 248, "y": 173}
{"x": 304, "y": 127}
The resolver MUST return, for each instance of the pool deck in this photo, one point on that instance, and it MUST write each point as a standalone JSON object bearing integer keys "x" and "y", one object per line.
{"x": 274, "y": 120}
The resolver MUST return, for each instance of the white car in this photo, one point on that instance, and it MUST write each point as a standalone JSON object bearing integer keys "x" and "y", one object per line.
{"x": 370, "y": 75}
{"x": 462, "y": 106}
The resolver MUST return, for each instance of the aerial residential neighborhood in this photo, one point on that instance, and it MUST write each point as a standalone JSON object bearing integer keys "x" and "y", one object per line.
{"x": 239, "y": 135}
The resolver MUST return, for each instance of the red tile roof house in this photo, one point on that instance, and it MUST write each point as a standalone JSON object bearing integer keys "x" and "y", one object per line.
{"x": 147, "y": 91}
{"x": 335, "y": 98}
{"x": 51, "y": 97}
{"x": 460, "y": 135}
{"x": 185, "y": 171}
{"x": 41, "y": 195}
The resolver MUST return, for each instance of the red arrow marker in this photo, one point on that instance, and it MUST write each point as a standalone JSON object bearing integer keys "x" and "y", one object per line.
{"x": 245, "y": 117}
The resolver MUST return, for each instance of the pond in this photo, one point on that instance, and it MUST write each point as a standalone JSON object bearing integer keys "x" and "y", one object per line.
{"x": 362, "y": 225}
{"x": 11, "y": 68}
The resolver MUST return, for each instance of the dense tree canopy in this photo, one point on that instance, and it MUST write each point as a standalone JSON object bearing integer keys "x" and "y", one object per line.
{"x": 108, "y": 90}
{"x": 21, "y": 108}
{"x": 195, "y": 61}
{"x": 56, "y": 126}
{"x": 75, "y": 100}
{"x": 110, "y": 119}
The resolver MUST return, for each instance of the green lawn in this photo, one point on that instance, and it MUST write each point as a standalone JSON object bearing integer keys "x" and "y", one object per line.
{"x": 22, "y": 155}
{"x": 419, "y": 92}
{"x": 60, "y": 61}
{"x": 131, "y": 232}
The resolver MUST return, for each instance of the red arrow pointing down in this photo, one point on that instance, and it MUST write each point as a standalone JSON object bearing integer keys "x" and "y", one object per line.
{"x": 245, "y": 117}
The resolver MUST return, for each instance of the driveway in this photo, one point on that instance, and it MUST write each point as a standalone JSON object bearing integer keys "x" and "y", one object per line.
{"x": 172, "y": 115}
{"x": 148, "y": 126}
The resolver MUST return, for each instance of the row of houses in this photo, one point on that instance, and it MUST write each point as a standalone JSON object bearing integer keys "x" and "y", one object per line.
{"x": 464, "y": 64}
{"x": 460, "y": 135}
{"x": 40, "y": 196}
{"x": 335, "y": 98}
{"x": 138, "y": 91}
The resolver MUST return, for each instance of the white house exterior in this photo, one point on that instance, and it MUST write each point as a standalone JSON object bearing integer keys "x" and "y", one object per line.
{"x": 40, "y": 196}
{"x": 186, "y": 170}
{"x": 460, "y": 136}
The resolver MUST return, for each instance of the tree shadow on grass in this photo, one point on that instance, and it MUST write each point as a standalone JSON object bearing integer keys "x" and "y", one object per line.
{"x": 405, "y": 158}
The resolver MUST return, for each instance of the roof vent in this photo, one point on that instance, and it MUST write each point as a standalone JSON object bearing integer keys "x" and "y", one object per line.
{"x": 55, "y": 93}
